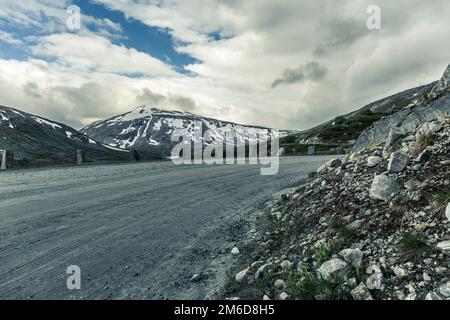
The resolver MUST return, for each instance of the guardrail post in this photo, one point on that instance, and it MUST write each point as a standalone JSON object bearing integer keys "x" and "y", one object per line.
{"x": 81, "y": 156}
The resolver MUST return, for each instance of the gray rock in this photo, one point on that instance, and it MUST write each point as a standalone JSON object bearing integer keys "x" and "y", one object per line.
{"x": 433, "y": 296}
{"x": 355, "y": 224}
{"x": 428, "y": 128}
{"x": 383, "y": 187}
{"x": 444, "y": 246}
{"x": 352, "y": 256}
{"x": 242, "y": 275}
{"x": 447, "y": 211}
{"x": 393, "y": 136}
{"x": 374, "y": 161}
{"x": 361, "y": 292}
{"x": 442, "y": 84}
{"x": 399, "y": 272}
{"x": 333, "y": 268}
{"x": 279, "y": 284}
{"x": 261, "y": 271}
{"x": 398, "y": 161}
{"x": 445, "y": 289}
{"x": 425, "y": 156}
{"x": 286, "y": 265}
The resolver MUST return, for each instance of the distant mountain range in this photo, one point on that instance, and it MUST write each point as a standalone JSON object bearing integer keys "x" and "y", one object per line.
{"x": 148, "y": 129}
{"x": 36, "y": 141}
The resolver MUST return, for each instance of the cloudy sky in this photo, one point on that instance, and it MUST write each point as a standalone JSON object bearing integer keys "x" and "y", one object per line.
{"x": 284, "y": 64}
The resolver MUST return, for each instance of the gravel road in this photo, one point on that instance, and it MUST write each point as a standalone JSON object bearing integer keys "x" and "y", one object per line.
{"x": 137, "y": 231}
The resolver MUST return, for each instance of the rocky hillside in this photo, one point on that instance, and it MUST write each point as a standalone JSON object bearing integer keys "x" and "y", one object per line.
{"x": 345, "y": 129}
{"x": 373, "y": 224}
{"x": 37, "y": 141}
{"x": 149, "y": 130}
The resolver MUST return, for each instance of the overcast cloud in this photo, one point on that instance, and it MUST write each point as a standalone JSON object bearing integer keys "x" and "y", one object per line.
{"x": 284, "y": 64}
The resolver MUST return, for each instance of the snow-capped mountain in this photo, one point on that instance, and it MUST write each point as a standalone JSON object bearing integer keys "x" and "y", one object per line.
{"x": 38, "y": 141}
{"x": 149, "y": 129}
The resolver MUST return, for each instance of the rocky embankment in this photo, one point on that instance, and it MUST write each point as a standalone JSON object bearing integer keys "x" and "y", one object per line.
{"x": 373, "y": 224}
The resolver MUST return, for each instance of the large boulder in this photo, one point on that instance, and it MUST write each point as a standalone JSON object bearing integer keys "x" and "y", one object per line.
{"x": 383, "y": 187}
{"x": 398, "y": 161}
{"x": 333, "y": 268}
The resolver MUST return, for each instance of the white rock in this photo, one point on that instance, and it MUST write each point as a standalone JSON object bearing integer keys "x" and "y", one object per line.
{"x": 383, "y": 187}
{"x": 333, "y": 268}
{"x": 398, "y": 161}
{"x": 235, "y": 251}
{"x": 444, "y": 246}
{"x": 283, "y": 296}
{"x": 399, "y": 272}
{"x": 261, "y": 270}
{"x": 266, "y": 298}
{"x": 373, "y": 161}
{"x": 447, "y": 211}
{"x": 241, "y": 276}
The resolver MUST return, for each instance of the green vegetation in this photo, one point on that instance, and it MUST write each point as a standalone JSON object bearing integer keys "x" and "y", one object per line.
{"x": 442, "y": 196}
{"x": 343, "y": 129}
{"x": 324, "y": 252}
{"x": 308, "y": 286}
{"x": 346, "y": 234}
{"x": 411, "y": 245}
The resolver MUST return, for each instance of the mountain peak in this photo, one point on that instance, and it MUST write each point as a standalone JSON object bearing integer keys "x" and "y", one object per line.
{"x": 145, "y": 111}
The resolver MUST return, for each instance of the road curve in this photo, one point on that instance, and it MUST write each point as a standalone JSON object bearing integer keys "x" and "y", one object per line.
{"x": 137, "y": 231}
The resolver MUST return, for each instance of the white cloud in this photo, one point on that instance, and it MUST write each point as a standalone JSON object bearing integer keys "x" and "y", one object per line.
{"x": 98, "y": 54}
{"x": 9, "y": 38}
{"x": 87, "y": 76}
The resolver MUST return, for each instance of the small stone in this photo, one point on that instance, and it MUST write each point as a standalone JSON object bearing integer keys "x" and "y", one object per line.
{"x": 399, "y": 272}
{"x": 279, "y": 284}
{"x": 286, "y": 265}
{"x": 433, "y": 296}
{"x": 444, "y": 246}
{"x": 355, "y": 224}
{"x": 440, "y": 270}
{"x": 235, "y": 251}
{"x": 196, "y": 277}
{"x": 447, "y": 211}
{"x": 398, "y": 161}
{"x": 374, "y": 161}
{"x": 266, "y": 297}
{"x": 425, "y": 156}
{"x": 361, "y": 293}
{"x": 333, "y": 268}
{"x": 283, "y": 296}
{"x": 445, "y": 289}
{"x": 241, "y": 276}
{"x": 261, "y": 270}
